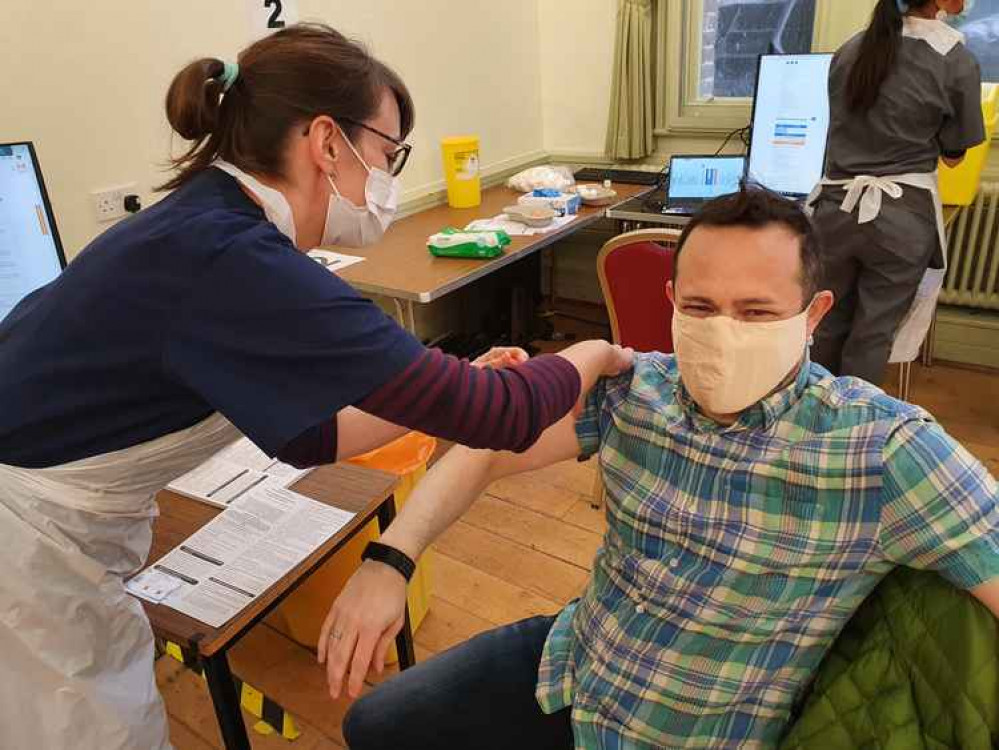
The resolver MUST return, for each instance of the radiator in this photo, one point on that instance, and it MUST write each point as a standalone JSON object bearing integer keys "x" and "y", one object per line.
{"x": 973, "y": 247}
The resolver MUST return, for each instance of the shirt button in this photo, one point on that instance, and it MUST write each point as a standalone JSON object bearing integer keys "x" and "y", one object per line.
{"x": 640, "y": 608}
{"x": 674, "y": 563}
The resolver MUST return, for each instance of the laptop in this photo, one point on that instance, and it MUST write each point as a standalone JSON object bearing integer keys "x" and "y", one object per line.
{"x": 695, "y": 180}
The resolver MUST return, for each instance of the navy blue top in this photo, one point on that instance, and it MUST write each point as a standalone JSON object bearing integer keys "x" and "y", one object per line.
{"x": 197, "y": 304}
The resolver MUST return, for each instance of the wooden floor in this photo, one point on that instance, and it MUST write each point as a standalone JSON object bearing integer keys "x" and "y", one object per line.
{"x": 525, "y": 548}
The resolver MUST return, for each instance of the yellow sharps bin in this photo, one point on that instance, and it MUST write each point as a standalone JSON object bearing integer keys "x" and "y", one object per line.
{"x": 302, "y": 614}
{"x": 461, "y": 170}
{"x": 959, "y": 186}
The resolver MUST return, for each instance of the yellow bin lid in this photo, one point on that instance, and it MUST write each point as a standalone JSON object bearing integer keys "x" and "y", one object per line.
{"x": 460, "y": 140}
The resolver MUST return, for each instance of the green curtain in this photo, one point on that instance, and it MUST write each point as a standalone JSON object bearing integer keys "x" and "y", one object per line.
{"x": 629, "y": 127}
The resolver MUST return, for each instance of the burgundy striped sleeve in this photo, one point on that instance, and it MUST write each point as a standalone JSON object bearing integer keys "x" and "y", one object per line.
{"x": 506, "y": 409}
{"x": 447, "y": 397}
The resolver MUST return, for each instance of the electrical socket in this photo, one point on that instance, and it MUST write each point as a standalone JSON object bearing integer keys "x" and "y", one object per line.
{"x": 109, "y": 204}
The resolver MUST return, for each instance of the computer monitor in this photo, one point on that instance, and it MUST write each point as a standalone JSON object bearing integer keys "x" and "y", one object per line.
{"x": 31, "y": 253}
{"x": 697, "y": 179}
{"x": 787, "y": 151}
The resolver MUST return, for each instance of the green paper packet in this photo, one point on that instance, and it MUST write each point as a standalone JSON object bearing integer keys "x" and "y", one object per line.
{"x": 460, "y": 243}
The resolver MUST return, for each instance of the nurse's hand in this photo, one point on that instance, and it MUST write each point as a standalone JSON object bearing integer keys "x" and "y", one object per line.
{"x": 361, "y": 625}
{"x": 597, "y": 359}
{"x": 502, "y": 356}
{"x": 620, "y": 359}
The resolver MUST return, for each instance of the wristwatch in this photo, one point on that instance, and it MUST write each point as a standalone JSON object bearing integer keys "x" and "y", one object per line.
{"x": 390, "y": 556}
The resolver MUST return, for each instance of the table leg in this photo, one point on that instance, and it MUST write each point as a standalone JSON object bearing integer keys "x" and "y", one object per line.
{"x": 403, "y": 641}
{"x": 553, "y": 281}
{"x": 411, "y": 316}
{"x": 226, "y": 702}
{"x": 405, "y": 314}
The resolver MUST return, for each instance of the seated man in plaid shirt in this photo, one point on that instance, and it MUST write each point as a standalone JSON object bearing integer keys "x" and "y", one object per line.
{"x": 753, "y": 501}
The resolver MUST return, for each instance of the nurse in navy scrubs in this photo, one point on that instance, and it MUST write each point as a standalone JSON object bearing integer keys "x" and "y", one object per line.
{"x": 196, "y": 321}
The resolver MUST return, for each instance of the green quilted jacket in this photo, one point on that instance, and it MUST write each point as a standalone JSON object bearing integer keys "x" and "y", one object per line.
{"x": 916, "y": 668}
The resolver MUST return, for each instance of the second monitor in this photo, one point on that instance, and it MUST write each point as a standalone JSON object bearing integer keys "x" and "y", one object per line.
{"x": 790, "y": 123}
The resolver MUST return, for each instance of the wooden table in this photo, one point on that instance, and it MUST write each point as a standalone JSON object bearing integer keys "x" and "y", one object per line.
{"x": 400, "y": 266}
{"x": 364, "y": 492}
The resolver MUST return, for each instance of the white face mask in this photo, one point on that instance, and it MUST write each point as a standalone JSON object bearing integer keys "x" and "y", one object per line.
{"x": 357, "y": 226}
{"x": 275, "y": 205}
{"x": 728, "y": 365}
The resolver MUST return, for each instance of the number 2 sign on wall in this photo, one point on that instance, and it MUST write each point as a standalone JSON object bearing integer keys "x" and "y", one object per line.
{"x": 268, "y": 16}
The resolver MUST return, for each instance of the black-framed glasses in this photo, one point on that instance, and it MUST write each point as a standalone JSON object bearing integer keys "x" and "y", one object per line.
{"x": 398, "y": 158}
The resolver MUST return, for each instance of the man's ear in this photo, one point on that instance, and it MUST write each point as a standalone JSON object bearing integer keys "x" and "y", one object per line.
{"x": 670, "y": 293}
{"x": 822, "y": 303}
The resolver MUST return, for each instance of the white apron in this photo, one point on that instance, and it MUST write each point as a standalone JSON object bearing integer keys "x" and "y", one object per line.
{"x": 868, "y": 191}
{"x": 76, "y": 649}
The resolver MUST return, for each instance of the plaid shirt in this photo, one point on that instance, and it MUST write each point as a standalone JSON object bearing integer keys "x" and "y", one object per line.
{"x": 734, "y": 555}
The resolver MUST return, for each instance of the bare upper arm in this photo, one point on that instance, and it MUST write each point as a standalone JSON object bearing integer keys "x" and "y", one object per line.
{"x": 558, "y": 443}
{"x": 988, "y": 594}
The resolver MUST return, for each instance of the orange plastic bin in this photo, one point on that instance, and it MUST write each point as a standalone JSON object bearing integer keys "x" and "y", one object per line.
{"x": 302, "y": 614}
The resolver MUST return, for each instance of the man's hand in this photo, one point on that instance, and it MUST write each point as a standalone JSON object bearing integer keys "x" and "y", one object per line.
{"x": 361, "y": 625}
{"x": 500, "y": 357}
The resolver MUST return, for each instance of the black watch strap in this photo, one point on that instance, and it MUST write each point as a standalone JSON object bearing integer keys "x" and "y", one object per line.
{"x": 390, "y": 556}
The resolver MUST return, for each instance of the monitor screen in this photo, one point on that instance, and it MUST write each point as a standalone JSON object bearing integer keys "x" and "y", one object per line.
{"x": 790, "y": 122}
{"x": 699, "y": 178}
{"x": 30, "y": 251}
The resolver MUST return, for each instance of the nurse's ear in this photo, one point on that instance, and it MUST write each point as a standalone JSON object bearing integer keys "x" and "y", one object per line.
{"x": 324, "y": 143}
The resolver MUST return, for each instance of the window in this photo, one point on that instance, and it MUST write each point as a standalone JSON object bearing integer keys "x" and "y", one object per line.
{"x": 735, "y": 32}
{"x": 981, "y": 27}
{"x": 707, "y": 50}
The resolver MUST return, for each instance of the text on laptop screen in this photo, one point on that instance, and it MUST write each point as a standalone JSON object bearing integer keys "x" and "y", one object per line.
{"x": 698, "y": 178}
{"x": 790, "y": 123}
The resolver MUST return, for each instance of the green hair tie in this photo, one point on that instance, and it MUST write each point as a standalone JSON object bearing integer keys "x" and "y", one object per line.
{"x": 230, "y": 72}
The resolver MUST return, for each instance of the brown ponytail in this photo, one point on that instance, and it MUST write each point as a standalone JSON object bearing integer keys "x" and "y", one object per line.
{"x": 285, "y": 79}
{"x": 192, "y": 102}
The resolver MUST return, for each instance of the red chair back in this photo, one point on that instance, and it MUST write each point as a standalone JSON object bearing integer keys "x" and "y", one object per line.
{"x": 633, "y": 270}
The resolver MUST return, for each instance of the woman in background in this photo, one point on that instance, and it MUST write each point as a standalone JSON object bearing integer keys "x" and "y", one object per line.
{"x": 903, "y": 94}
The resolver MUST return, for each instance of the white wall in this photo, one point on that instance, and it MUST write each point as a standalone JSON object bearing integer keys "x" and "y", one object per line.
{"x": 86, "y": 81}
{"x": 577, "y": 51}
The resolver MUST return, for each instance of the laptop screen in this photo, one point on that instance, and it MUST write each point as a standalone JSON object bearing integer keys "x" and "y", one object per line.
{"x": 696, "y": 179}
